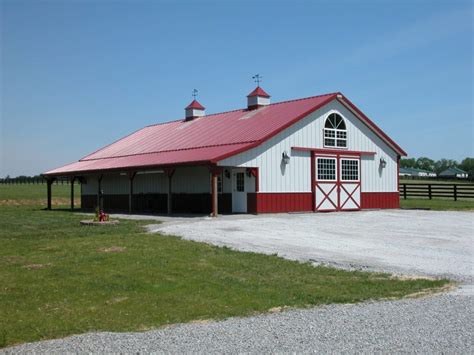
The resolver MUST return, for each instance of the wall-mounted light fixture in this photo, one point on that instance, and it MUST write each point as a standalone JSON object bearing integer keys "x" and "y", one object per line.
{"x": 227, "y": 173}
{"x": 285, "y": 158}
{"x": 383, "y": 163}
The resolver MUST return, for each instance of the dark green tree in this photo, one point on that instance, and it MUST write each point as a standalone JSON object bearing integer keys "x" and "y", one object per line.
{"x": 425, "y": 163}
{"x": 443, "y": 164}
{"x": 468, "y": 166}
{"x": 407, "y": 162}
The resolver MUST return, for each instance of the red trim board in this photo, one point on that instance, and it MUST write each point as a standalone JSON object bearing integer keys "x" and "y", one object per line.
{"x": 269, "y": 202}
{"x": 370, "y": 200}
{"x": 275, "y": 202}
{"x": 333, "y": 151}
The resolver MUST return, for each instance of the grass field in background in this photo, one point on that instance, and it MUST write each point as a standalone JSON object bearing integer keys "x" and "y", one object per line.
{"x": 59, "y": 278}
{"x": 438, "y": 204}
{"x": 431, "y": 181}
{"x": 35, "y": 194}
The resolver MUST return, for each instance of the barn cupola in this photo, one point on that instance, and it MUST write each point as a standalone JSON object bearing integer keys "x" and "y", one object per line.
{"x": 194, "y": 109}
{"x": 258, "y": 97}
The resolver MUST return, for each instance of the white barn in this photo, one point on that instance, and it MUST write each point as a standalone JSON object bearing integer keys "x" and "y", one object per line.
{"x": 313, "y": 154}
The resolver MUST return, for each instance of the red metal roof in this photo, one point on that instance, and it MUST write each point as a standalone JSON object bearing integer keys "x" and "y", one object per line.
{"x": 196, "y": 105}
{"x": 258, "y": 91}
{"x": 205, "y": 140}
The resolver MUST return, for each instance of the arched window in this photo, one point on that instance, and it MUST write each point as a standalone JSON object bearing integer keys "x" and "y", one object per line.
{"x": 335, "y": 133}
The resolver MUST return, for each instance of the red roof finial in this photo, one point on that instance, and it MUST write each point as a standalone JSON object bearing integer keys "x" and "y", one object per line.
{"x": 258, "y": 91}
{"x": 196, "y": 105}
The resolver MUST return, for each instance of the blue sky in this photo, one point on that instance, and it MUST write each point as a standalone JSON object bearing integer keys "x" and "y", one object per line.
{"x": 76, "y": 75}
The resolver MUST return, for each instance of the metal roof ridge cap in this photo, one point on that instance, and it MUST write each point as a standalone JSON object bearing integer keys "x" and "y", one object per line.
{"x": 163, "y": 123}
{"x": 210, "y": 114}
{"x": 246, "y": 109}
{"x": 304, "y": 98}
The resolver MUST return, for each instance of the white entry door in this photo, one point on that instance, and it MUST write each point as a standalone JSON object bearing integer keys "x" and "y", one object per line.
{"x": 239, "y": 192}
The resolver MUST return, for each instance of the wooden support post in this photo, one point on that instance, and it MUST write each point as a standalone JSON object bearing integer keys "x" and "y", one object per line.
{"x": 169, "y": 205}
{"x": 99, "y": 192}
{"x": 404, "y": 191}
{"x": 215, "y": 207}
{"x": 455, "y": 192}
{"x": 170, "y": 172}
{"x": 131, "y": 176}
{"x": 49, "y": 182}
{"x": 429, "y": 191}
{"x": 72, "y": 193}
{"x": 215, "y": 172}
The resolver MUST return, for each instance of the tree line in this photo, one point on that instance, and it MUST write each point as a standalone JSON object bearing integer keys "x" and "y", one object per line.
{"x": 438, "y": 166}
{"x": 24, "y": 179}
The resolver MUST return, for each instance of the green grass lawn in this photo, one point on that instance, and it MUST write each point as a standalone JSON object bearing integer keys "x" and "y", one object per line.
{"x": 59, "y": 278}
{"x": 438, "y": 204}
{"x": 434, "y": 181}
{"x": 35, "y": 194}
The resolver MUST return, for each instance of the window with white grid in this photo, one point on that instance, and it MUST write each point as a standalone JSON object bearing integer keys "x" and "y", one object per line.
{"x": 335, "y": 133}
{"x": 326, "y": 169}
{"x": 219, "y": 183}
{"x": 349, "y": 170}
{"x": 240, "y": 182}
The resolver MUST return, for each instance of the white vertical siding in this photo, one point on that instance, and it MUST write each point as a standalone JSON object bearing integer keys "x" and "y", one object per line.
{"x": 115, "y": 184}
{"x": 90, "y": 186}
{"x": 249, "y": 183}
{"x": 150, "y": 183}
{"x": 192, "y": 180}
{"x": 227, "y": 182}
{"x": 308, "y": 132}
{"x": 185, "y": 180}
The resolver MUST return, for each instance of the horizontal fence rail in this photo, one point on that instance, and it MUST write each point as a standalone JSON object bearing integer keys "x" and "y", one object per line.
{"x": 429, "y": 191}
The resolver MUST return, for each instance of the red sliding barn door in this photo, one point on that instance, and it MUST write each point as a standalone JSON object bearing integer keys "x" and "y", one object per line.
{"x": 337, "y": 183}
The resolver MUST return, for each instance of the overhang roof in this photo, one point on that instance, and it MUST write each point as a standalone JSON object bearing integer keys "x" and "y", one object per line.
{"x": 207, "y": 139}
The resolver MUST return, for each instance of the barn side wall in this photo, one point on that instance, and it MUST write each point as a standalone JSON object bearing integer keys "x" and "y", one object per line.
{"x": 294, "y": 179}
{"x": 191, "y": 189}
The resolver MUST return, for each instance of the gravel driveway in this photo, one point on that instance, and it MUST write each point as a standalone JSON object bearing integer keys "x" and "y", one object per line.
{"x": 409, "y": 242}
{"x": 401, "y": 241}
{"x": 440, "y": 324}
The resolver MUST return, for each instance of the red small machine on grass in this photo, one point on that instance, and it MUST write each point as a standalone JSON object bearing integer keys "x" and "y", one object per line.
{"x": 101, "y": 216}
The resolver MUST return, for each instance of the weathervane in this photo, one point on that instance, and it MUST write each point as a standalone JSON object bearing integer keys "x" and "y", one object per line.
{"x": 195, "y": 93}
{"x": 257, "y": 78}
